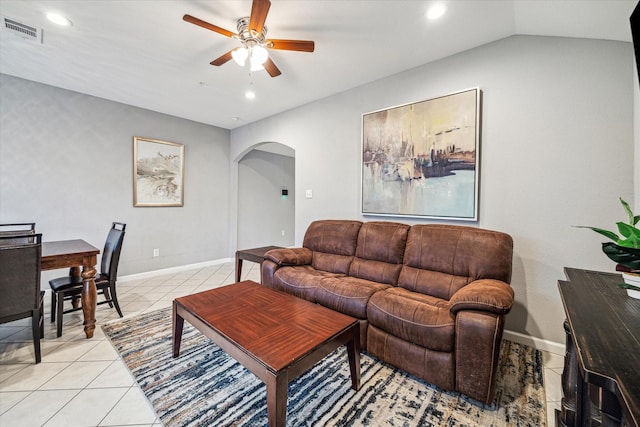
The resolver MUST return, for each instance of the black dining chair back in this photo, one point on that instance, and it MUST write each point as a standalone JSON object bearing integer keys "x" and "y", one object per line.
{"x": 20, "y": 257}
{"x": 70, "y": 287}
{"x": 111, "y": 252}
{"x": 16, "y": 229}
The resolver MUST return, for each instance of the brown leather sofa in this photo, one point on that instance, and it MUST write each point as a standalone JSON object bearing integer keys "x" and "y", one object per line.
{"x": 431, "y": 298}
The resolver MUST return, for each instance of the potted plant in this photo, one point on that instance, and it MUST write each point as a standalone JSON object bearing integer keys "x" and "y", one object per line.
{"x": 624, "y": 249}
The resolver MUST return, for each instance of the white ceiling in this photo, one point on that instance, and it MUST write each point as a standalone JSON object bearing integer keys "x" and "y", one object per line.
{"x": 141, "y": 52}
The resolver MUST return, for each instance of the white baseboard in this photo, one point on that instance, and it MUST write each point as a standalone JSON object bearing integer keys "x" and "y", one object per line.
{"x": 148, "y": 274}
{"x": 537, "y": 343}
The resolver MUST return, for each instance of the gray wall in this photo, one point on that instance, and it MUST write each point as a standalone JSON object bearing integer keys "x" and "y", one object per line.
{"x": 263, "y": 215}
{"x": 66, "y": 163}
{"x": 556, "y": 150}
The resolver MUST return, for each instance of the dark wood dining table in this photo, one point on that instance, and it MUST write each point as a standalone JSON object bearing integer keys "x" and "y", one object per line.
{"x": 74, "y": 254}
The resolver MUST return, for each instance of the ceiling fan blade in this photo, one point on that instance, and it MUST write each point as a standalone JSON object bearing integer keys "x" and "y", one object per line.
{"x": 222, "y": 59}
{"x": 297, "y": 45}
{"x": 204, "y": 24}
{"x": 271, "y": 68}
{"x": 259, "y": 10}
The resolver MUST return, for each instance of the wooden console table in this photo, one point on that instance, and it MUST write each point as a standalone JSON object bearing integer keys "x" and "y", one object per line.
{"x": 601, "y": 377}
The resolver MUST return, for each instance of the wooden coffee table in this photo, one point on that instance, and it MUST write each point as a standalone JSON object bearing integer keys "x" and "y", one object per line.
{"x": 274, "y": 335}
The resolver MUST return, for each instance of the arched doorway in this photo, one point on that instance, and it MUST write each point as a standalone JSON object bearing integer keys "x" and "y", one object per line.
{"x": 266, "y": 216}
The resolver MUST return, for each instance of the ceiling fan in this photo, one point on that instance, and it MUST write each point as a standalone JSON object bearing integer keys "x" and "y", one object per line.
{"x": 252, "y": 34}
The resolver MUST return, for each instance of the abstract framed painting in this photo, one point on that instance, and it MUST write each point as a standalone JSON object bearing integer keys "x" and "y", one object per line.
{"x": 421, "y": 159}
{"x": 158, "y": 173}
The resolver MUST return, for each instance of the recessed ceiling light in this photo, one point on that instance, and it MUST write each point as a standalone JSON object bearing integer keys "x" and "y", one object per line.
{"x": 250, "y": 94}
{"x": 436, "y": 11}
{"x": 56, "y": 18}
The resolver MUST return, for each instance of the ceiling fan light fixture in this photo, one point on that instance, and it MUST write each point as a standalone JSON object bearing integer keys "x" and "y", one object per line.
{"x": 240, "y": 55}
{"x": 255, "y": 66}
{"x": 259, "y": 55}
{"x": 252, "y": 34}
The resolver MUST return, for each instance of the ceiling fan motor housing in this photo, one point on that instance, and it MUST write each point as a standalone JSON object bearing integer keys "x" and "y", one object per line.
{"x": 248, "y": 37}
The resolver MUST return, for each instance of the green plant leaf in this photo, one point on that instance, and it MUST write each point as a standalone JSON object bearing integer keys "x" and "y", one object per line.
{"x": 632, "y": 220}
{"x": 625, "y": 229}
{"x": 629, "y": 234}
{"x": 632, "y": 235}
{"x": 626, "y": 244}
{"x": 628, "y": 286}
{"x": 608, "y": 234}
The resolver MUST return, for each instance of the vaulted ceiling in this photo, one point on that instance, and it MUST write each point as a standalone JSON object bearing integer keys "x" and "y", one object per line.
{"x": 141, "y": 52}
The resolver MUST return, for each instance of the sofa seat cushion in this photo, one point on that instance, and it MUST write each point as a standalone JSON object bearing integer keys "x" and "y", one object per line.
{"x": 348, "y": 295}
{"x": 300, "y": 281}
{"x": 417, "y": 318}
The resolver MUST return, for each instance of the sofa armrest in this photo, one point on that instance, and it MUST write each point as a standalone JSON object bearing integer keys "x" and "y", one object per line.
{"x": 289, "y": 256}
{"x": 489, "y": 295}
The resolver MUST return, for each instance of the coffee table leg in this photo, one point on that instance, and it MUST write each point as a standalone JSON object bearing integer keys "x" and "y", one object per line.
{"x": 277, "y": 389}
{"x": 178, "y": 323}
{"x": 353, "y": 351}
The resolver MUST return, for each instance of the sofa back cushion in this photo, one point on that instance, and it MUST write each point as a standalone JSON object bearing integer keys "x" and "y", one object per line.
{"x": 380, "y": 251}
{"x": 333, "y": 243}
{"x": 441, "y": 259}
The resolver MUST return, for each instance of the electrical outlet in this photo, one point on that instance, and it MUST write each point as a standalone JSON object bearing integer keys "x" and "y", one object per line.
{"x": 156, "y": 252}
{"x": 309, "y": 194}
{"x": 282, "y": 231}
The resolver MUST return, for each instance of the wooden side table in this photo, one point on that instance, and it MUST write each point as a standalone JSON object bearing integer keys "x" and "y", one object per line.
{"x": 253, "y": 255}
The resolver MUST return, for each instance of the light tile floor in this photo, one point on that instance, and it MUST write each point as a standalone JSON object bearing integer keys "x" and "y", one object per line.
{"x": 83, "y": 382}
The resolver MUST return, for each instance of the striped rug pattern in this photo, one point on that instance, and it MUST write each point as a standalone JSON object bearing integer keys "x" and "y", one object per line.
{"x": 205, "y": 387}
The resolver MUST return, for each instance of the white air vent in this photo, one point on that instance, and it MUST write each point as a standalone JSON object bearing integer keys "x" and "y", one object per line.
{"x": 27, "y": 32}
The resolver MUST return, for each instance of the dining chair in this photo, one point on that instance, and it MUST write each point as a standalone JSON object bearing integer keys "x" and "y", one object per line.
{"x": 70, "y": 287}
{"x": 17, "y": 229}
{"x": 20, "y": 257}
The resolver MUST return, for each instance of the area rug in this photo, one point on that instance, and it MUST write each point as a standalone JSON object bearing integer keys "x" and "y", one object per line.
{"x": 205, "y": 387}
